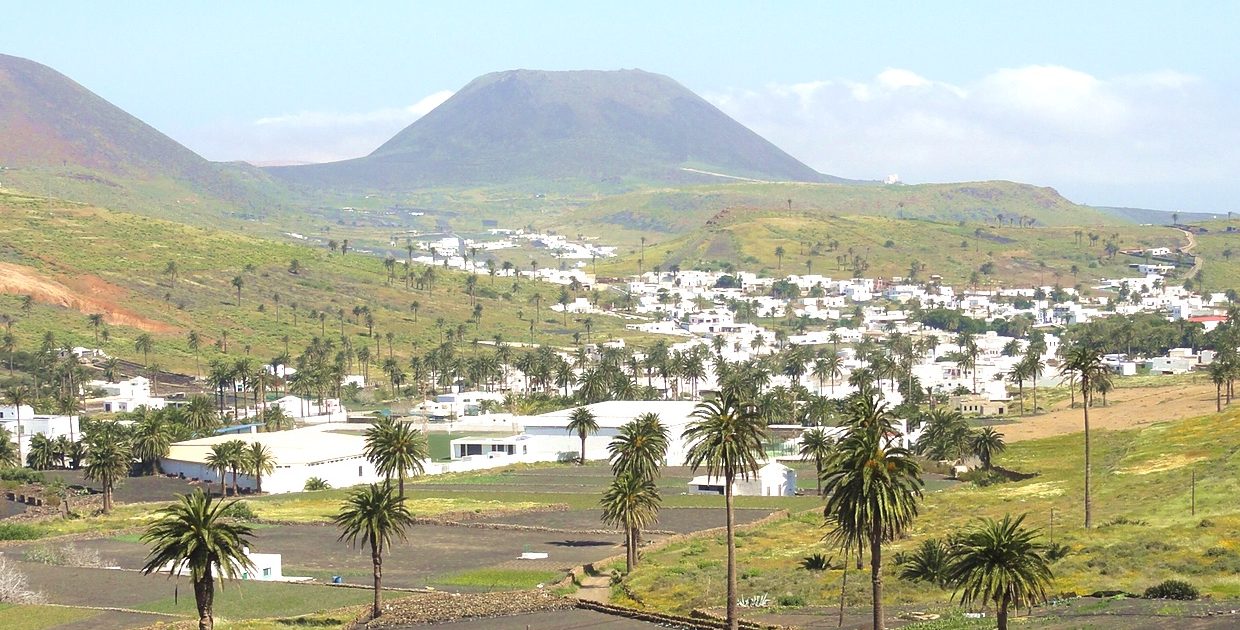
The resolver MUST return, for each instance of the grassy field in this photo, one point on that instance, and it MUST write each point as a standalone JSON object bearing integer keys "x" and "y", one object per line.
{"x": 318, "y": 507}
{"x": 26, "y": 617}
{"x": 76, "y": 260}
{"x": 1221, "y": 250}
{"x": 246, "y": 600}
{"x": 1144, "y": 532}
{"x": 493, "y": 579}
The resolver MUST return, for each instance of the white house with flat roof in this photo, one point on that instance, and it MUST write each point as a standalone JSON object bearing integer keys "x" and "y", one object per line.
{"x": 322, "y": 451}
{"x": 772, "y": 480}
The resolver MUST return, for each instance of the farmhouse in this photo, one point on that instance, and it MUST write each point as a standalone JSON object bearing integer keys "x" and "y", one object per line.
{"x": 127, "y": 396}
{"x": 316, "y": 451}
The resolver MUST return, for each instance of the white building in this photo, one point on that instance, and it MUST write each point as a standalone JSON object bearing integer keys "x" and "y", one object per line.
{"x": 268, "y": 567}
{"x": 321, "y": 451}
{"x": 126, "y": 396}
{"x": 772, "y": 480}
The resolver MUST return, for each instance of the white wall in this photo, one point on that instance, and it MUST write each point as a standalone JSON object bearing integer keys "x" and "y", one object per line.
{"x": 292, "y": 478}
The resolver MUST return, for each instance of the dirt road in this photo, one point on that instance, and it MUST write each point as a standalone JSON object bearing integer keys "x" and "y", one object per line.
{"x": 1125, "y": 408}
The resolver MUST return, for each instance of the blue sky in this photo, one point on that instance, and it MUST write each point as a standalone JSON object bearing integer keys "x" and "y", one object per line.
{"x": 1112, "y": 103}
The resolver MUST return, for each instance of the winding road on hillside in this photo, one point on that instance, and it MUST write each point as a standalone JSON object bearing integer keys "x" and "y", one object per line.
{"x": 1188, "y": 249}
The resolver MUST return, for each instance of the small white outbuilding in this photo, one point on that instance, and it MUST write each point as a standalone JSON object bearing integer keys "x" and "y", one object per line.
{"x": 772, "y": 480}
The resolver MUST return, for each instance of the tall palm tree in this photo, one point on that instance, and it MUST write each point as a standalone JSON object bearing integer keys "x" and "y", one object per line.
{"x": 373, "y": 516}
{"x": 631, "y": 502}
{"x": 816, "y": 445}
{"x": 194, "y": 534}
{"x": 872, "y": 491}
{"x": 999, "y": 562}
{"x": 152, "y": 439}
{"x": 727, "y": 440}
{"x": 18, "y": 396}
{"x": 200, "y": 413}
{"x": 640, "y": 448}
{"x": 259, "y": 461}
{"x": 583, "y": 423}
{"x": 235, "y": 450}
{"x": 1084, "y": 365}
{"x": 108, "y": 457}
{"x": 396, "y": 449}
{"x": 985, "y": 443}
{"x": 217, "y": 460}
{"x": 144, "y": 344}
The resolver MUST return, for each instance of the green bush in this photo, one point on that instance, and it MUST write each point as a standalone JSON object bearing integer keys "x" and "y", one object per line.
{"x": 21, "y": 475}
{"x": 790, "y": 601}
{"x": 1172, "y": 589}
{"x": 816, "y": 562}
{"x": 241, "y": 511}
{"x": 19, "y": 531}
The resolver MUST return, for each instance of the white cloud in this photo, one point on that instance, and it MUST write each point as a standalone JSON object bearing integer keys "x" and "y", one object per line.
{"x": 313, "y": 136}
{"x": 1162, "y": 139}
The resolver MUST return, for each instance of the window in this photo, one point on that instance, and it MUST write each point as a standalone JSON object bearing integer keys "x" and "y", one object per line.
{"x": 359, "y": 471}
{"x": 266, "y": 572}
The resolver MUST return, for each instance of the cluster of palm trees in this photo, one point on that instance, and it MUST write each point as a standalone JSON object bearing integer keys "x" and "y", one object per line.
{"x": 239, "y": 457}
{"x": 946, "y": 435}
{"x": 632, "y": 500}
{"x": 56, "y": 381}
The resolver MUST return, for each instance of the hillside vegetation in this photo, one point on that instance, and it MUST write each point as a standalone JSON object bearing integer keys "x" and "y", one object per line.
{"x": 75, "y": 260}
{"x": 1146, "y": 530}
{"x": 885, "y": 247}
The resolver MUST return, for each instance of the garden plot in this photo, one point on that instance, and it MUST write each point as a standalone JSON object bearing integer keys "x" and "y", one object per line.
{"x": 679, "y": 520}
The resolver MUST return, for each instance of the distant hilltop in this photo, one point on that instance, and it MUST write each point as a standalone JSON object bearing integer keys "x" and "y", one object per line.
{"x": 531, "y": 126}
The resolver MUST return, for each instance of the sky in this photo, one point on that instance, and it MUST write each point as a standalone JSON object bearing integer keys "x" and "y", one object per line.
{"x": 1112, "y": 103}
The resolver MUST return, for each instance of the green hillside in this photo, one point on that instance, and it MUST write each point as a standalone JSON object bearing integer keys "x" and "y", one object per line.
{"x": 1144, "y": 529}
{"x": 76, "y": 260}
{"x": 539, "y": 131}
{"x": 59, "y": 139}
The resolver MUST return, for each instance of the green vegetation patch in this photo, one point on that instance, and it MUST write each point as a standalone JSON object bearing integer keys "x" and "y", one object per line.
{"x": 500, "y": 578}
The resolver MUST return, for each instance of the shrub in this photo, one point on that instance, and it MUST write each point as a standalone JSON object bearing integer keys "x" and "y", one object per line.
{"x": 1124, "y": 520}
{"x": 816, "y": 562}
{"x": 790, "y": 601}
{"x": 240, "y": 510}
{"x": 21, "y": 475}
{"x": 19, "y": 531}
{"x": 69, "y": 555}
{"x": 1172, "y": 589}
{"x": 13, "y": 589}
{"x": 1056, "y": 552}
{"x": 314, "y": 483}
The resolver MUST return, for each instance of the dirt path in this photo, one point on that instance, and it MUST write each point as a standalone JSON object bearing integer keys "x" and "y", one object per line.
{"x": 1188, "y": 249}
{"x": 595, "y": 588}
{"x": 1126, "y": 408}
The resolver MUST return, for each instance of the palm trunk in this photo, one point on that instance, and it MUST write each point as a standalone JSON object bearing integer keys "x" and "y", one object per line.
{"x": 727, "y": 501}
{"x": 630, "y": 548}
{"x": 818, "y": 476}
{"x": 1035, "y": 395}
{"x": 401, "y": 478}
{"x": 876, "y": 577}
{"x": 223, "y": 482}
{"x": 1089, "y": 521}
{"x": 204, "y": 597}
{"x": 258, "y": 481}
{"x": 843, "y": 584}
{"x": 1021, "y": 387}
{"x": 1003, "y": 613}
{"x": 583, "y": 450}
{"x": 236, "y": 492}
{"x": 376, "y": 556}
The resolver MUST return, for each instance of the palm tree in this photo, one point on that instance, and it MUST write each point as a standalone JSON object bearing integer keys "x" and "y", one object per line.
{"x": 631, "y": 502}
{"x": 152, "y": 439}
{"x": 817, "y": 446}
{"x": 259, "y": 461}
{"x": 194, "y": 534}
{"x": 8, "y": 450}
{"x": 583, "y": 423}
{"x": 108, "y": 458}
{"x": 1083, "y": 364}
{"x": 144, "y": 344}
{"x": 985, "y": 444}
{"x": 396, "y": 449}
{"x": 999, "y": 562}
{"x": 872, "y": 491}
{"x": 373, "y": 516}
{"x": 96, "y": 321}
{"x": 217, "y": 460}
{"x": 237, "y": 283}
{"x": 640, "y": 448}
{"x": 42, "y": 454}
{"x": 929, "y": 563}
{"x": 200, "y": 413}
{"x": 18, "y": 396}
{"x": 235, "y": 450}
{"x": 727, "y": 440}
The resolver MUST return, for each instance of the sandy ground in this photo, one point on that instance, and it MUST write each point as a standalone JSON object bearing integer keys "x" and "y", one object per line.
{"x": 1126, "y": 408}
{"x": 84, "y": 293}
